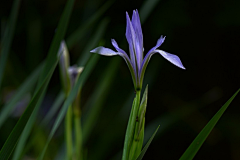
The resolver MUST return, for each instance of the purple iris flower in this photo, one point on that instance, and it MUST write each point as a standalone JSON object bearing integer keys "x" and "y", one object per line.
{"x": 137, "y": 63}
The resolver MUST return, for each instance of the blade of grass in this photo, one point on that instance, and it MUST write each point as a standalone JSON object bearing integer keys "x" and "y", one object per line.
{"x": 94, "y": 40}
{"x": 17, "y": 130}
{"x": 60, "y": 97}
{"x": 22, "y": 90}
{"x": 81, "y": 62}
{"x": 8, "y": 37}
{"x": 100, "y": 94}
{"x": 54, "y": 108}
{"x": 27, "y": 128}
{"x": 58, "y": 37}
{"x": 201, "y": 137}
{"x": 146, "y": 9}
{"x": 80, "y": 32}
{"x": 87, "y": 70}
{"x": 50, "y": 65}
{"x": 147, "y": 145}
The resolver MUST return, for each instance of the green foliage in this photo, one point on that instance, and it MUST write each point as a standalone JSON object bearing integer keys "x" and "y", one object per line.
{"x": 147, "y": 145}
{"x": 8, "y": 37}
{"x": 198, "y": 141}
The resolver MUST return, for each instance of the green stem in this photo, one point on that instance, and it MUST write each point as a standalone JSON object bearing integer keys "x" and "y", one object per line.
{"x": 68, "y": 132}
{"x": 78, "y": 127}
{"x": 131, "y": 126}
{"x": 78, "y": 134}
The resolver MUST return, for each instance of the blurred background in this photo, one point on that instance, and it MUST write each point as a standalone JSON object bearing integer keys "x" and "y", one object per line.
{"x": 204, "y": 34}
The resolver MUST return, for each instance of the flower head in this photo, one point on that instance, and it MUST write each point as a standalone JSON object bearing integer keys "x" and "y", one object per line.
{"x": 136, "y": 62}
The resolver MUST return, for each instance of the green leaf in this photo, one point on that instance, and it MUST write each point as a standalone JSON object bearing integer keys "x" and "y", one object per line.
{"x": 8, "y": 37}
{"x": 28, "y": 127}
{"x": 58, "y": 37}
{"x": 50, "y": 65}
{"x": 93, "y": 42}
{"x": 87, "y": 70}
{"x": 17, "y": 130}
{"x": 99, "y": 95}
{"x": 147, "y": 145}
{"x": 146, "y": 9}
{"x": 54, "y": 108}
{"x": 201, "y": 137}
{"x": 79, "y": 33}
{"x": 22, "y": 90}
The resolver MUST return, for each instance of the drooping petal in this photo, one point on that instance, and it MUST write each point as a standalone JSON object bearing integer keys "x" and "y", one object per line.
{"x": 139, "y": 37}
{"x": 171, "y": 58}
{"x": 104, "y": 51}
{"x": 130, "y": 35}
{"x": 147, "y": 58}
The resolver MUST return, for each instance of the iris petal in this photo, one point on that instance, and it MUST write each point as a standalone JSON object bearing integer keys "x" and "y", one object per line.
{"x": 159, "y": 43}
{"x": 131, "y": 37}
{"x": 171, "y": 58}
{"x": 104, "y": 51}
{"x": 115, "y": 45}
{"x": 139, "y": 37}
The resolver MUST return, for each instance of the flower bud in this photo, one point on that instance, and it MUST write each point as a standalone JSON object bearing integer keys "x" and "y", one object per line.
{"x": 64, "y": 65}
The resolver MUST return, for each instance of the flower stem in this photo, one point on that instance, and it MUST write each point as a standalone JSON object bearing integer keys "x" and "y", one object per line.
{"x": 68, "y": 132}
{"x": 131, "y": 126}
{"x": 78, "y": 134}
{"x": 78, "y": 127}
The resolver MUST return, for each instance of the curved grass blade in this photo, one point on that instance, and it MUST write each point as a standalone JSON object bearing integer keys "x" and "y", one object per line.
{"x": 99, "y": 95}
{"x": 17, "y": 130}
{"x": 147, "y": 145}
{"x": 201, "y": 137}
{"x": 81, "y": 62}
{"x": 22, "y": 90}
{"x": 50, "y": 65}
{"x": 8, "y": 36}
{"x": 54, "y": 108}
{"x": 79, "y": 33}
{"x": 87, "y": 70}
{"x": 94, "y": 40}
{"x": 58, "y": 37}
{"x": 146, "y": 9}
{"x": 27, "y": 129}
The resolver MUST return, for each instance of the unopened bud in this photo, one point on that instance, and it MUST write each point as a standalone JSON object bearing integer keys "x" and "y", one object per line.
{"x": 64, "y": 65}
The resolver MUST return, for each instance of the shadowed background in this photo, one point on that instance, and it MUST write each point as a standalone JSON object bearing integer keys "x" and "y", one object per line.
{"x": 205, "y": 35}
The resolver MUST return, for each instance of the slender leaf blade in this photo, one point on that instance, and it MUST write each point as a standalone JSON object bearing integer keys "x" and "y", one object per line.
{"x": 8, "y": 37}
{"x": 147, "y": 145}
{"x": 54, "y": 108}
{"x": 201, "y": 137}
{"x": 87, "y": 70}
{"x": 22, "y": 90}
{"x": 79, "y": 33}
{"x": 58, "y": 37}
{"x": 17, "y": 130}
{"x": 50, "y": 65}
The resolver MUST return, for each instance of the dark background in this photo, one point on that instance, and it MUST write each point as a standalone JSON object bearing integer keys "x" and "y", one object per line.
{"x": 204, "y": 34}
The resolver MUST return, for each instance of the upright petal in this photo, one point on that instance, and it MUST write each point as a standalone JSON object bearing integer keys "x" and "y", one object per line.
{"x": 139, "y": 37}
{"x": 130, "y": 35}
{"x": 104, "y": 51}
{"x": 115, "y": 45}
{"x": 123, "y": 54}
{"x": 159, "y": 43}
{"x": 171, "y": 58}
